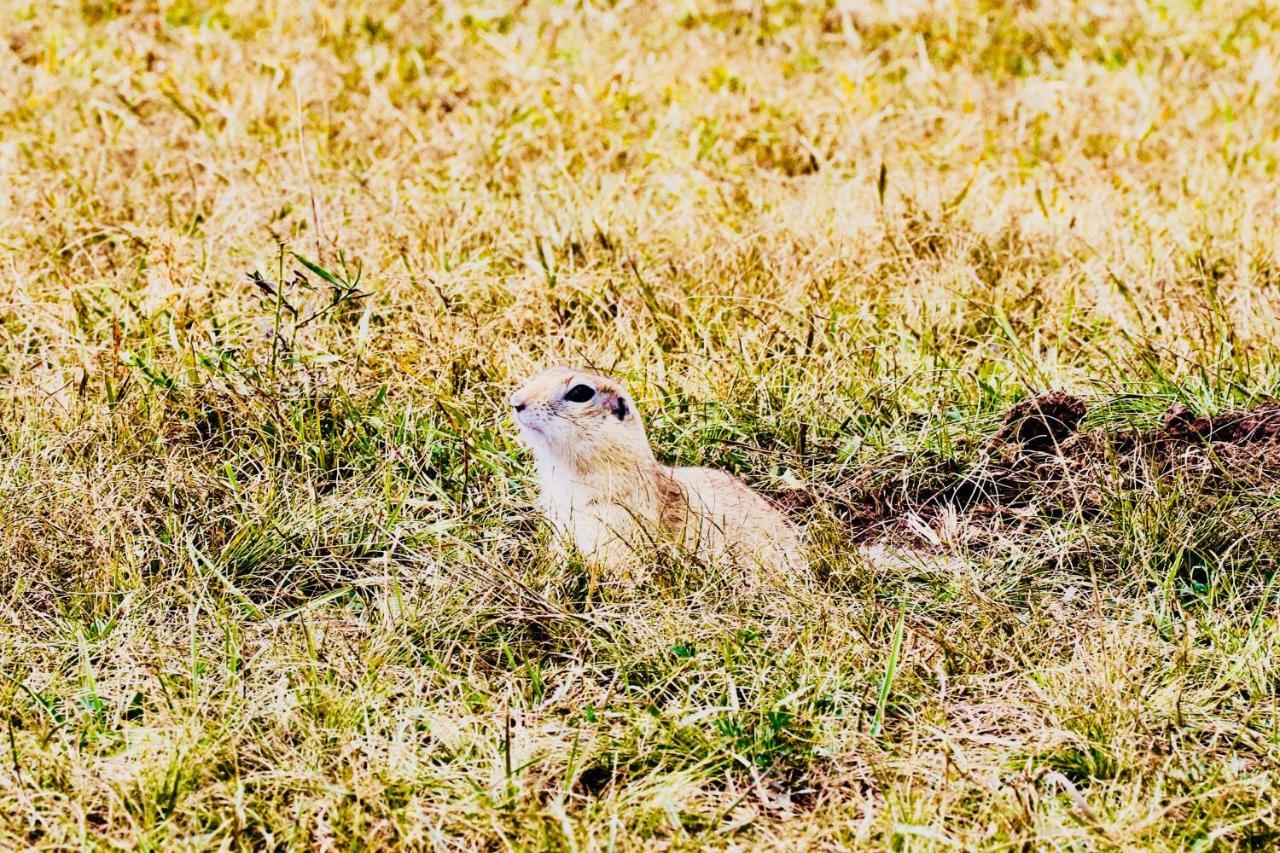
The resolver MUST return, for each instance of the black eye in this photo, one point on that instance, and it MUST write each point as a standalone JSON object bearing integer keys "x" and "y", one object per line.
{"x": 580, "y": 394}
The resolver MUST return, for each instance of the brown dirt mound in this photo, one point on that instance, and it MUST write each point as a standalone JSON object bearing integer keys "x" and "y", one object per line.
{"x": 1254, "y": 426}
{"x": 1042, "y": 423}
{"x": 1041, "y": 458}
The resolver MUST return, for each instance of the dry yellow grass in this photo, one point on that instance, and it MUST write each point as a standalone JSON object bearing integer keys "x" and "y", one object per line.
{"x": 271, "y": 575}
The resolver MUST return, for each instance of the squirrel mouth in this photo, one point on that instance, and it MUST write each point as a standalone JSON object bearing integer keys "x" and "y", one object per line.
{"x": 528, "y": 424}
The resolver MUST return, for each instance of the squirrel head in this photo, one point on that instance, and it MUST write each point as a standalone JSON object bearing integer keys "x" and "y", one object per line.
{"x": 573, "y": 417}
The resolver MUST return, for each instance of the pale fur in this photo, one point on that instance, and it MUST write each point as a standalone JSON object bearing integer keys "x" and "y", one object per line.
{"x": 603, "y": 489}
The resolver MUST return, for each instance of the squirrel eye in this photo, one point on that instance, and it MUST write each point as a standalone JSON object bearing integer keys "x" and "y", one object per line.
{"x": 580, "y": 394}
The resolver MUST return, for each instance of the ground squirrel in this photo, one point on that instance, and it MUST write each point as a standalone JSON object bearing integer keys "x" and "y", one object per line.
{"x": 602, "y": 487}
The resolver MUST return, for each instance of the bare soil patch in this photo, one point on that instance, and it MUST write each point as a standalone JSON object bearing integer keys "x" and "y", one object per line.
{"x": 1043, "y": 457}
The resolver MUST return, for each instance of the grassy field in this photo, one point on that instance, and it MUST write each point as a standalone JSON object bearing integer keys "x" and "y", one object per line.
{"x": 271, "y": 571}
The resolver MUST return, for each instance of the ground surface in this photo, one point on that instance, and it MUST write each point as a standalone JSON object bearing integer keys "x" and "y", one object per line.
{"x": 270, "y": 573}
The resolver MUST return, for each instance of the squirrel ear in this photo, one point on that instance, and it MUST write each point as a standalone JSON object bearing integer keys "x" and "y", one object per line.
{"x": 620, "y": 408}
